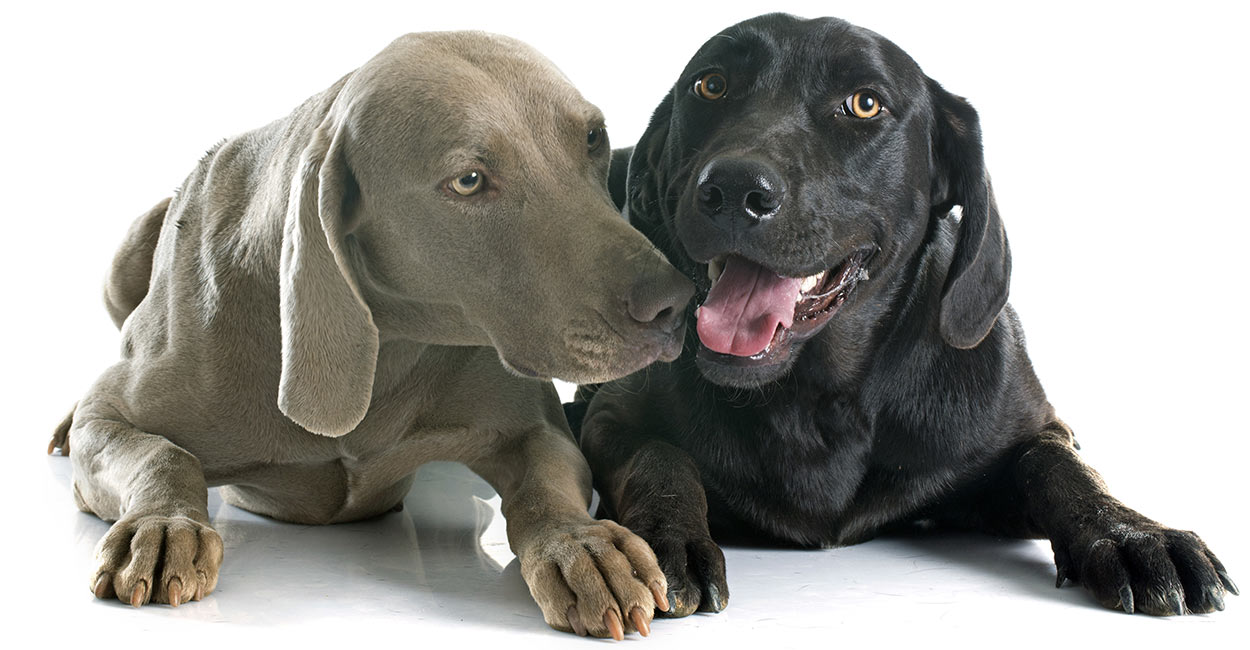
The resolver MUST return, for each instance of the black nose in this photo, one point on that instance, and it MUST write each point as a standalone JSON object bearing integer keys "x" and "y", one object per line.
{"x": 739, "y": 191}
{"x": 659, "y": 298}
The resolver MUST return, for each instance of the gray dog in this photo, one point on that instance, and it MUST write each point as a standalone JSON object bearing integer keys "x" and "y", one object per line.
{"x": 325, "y": 305}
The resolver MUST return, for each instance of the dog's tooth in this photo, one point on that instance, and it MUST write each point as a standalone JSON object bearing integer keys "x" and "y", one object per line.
{"x": 811, "y": 282}
{"x": 715, "y": 268}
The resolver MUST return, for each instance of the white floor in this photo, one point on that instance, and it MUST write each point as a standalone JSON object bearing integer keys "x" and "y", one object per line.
{"x": 441, "y": 571}
{"x": 1118, "y": 151}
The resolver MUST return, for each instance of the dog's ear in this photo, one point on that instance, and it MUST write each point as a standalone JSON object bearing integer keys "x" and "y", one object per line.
{"x": 980, "y": 271}
{"x": 329, "y": 341}
{"x": 646, "y": 184}
{"x": 617, "y": 172}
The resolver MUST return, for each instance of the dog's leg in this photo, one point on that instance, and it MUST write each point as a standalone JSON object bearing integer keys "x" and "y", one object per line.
{"x": 588, "y": 576}
{"x": 161, "y": 547}
{"x": 654, "y": 489}
{"x": 1123, "y": 558}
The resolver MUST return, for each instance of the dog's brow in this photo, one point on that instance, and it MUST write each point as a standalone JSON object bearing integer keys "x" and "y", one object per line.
{"x": 586, "y": 116}
{"x": 475, "y": 154}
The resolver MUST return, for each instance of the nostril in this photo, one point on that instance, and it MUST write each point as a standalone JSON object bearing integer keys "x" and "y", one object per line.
{"x": 760, "y": 203}
{"x": 711, "y": 197}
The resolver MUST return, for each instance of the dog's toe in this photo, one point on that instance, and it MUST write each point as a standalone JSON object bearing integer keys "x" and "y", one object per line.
{"x": 695, "y": 569}
{"x": 157, "y": 559}
{"x": 594, "y": 579}
{"x": 1148, "y": 568}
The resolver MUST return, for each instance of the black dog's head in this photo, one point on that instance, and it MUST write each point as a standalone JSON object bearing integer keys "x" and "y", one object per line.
{"x": 796, "y": 171}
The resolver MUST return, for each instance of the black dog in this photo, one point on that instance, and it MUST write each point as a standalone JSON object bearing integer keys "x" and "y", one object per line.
{"x": 853, "y": 365}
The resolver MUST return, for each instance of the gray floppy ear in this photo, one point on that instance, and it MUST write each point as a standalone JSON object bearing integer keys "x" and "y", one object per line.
{"x": 329, "y": 341}
{"x": 980, "y": 272}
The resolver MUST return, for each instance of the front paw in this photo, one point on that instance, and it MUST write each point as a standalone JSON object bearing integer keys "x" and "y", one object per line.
{"x": 155, "y": 558}
{"x": 1145, "y": 567}
{"x": 693, "y": 564}
{"x": 594, "y": 578}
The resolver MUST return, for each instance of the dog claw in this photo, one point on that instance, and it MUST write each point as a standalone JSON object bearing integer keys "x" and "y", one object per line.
{"x": 613, "y": 622}
{"x": 136, "y": 597}
{"x": 714, "y": 598}
{"x": 102, "y": 585}
{"x": 1061, "y": 576}
{"x": 661, "y": 601}
{"x": 1216, "y": 597}
{"x": 575, "y": 621}
{"x": 175, "y": 592}
{"x": 1126, "y": 599}
{"x": 640, "y": 621}
{"x": 1177, "y": 603}
{"x": 1228, "y": 583}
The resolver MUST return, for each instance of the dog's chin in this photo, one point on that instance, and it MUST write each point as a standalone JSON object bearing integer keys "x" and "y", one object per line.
{"x": 596, "y": 364}
{"x": 746, "y": 372}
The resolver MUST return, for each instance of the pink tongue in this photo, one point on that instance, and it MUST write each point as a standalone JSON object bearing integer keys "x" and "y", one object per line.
{"x": 744, "y": 307}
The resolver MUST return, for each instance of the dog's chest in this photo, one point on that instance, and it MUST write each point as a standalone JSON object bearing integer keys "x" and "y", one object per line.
{"x": 822, "y": 472}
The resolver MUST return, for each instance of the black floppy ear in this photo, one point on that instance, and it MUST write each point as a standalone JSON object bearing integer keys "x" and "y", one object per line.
{"x": 980, "y": 271}
{"x": 617, "y": 170}
{"x": 646, "y": 182}
{"x": 649, "y": 203}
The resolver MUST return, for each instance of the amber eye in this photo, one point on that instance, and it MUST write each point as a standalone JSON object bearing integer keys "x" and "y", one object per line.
{"x": 470, "y": 183}
{"x": 711, "y": 86}
{"x": 595, "y": 137}
{"x": 863, "y": 104}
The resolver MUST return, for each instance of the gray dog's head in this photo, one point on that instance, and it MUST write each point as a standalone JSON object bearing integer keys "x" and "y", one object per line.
{"x": 455, "y": 193}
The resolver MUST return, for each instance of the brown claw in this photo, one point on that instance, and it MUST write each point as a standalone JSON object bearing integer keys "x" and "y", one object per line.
{"x": 661, "y": 599}
{"x": 175, "y": 592}
{"x": 640, "y": 621}
{"x": 51, "y": 446}
{"x": 103, "y": 585}
{"x": 136, "y": 597}
{"x": 575, "y": 621}
{"x": 613, "y": 621}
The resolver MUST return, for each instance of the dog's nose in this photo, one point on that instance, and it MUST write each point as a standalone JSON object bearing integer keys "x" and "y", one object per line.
{"x": 659, "y": 298}
{"x": 739, "y": 191}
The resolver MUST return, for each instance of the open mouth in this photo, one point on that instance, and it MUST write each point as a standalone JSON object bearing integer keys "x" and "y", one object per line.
{"x": 752, "y": 314}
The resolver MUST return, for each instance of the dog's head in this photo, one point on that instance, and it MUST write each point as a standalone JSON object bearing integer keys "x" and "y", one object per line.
{"x": 795, "y": 171}
{"x": 455, "y": 193}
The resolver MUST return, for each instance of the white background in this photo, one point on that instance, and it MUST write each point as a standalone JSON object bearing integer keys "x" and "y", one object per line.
{"x": 1117, "y": 136}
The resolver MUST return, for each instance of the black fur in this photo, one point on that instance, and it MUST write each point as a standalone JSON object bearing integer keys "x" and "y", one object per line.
{"x": 916, "y": 401}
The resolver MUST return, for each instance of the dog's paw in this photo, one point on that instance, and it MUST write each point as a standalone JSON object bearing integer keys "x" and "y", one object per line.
{"x": 693, "y": 564}
{"x": 60, "y": 436}
{"x": 695, "y": 568}
{"x": 157, "y": 559}
{"x": 594, "y": 578}
{"x": 1146, "y": 567}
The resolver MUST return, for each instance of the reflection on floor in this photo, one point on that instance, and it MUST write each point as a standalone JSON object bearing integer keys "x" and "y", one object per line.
{"x": 441, "y": 569}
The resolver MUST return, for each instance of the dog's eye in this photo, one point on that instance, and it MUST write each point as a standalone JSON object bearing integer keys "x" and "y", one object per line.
{"x": 711, "y": 86}
{"x": 595, "y": 137}
{"x": 863, "y": 104}
{"x": 470, "y": 183}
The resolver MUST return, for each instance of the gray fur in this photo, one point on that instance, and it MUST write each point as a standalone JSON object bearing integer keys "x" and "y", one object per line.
{"x": 314, "y": 316}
